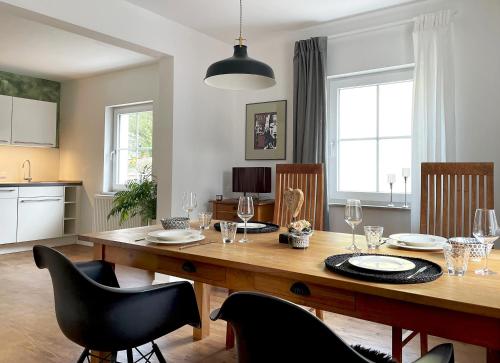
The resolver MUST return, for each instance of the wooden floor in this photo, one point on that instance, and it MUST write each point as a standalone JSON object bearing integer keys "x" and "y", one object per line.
{"x": 29, "y": 331}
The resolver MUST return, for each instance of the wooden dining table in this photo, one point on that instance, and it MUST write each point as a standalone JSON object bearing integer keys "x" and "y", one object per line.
{"x": 465, "y": 309}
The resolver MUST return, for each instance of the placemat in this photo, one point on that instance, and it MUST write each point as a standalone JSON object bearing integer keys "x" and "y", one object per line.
{"x": 432, "y": 272}
{"x": 270, "y": 227}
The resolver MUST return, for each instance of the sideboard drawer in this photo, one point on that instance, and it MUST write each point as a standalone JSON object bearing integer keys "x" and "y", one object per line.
{"x": 305, "y": 293}
{"x": 227, "y": 216}
{"x": 223, "y": 207}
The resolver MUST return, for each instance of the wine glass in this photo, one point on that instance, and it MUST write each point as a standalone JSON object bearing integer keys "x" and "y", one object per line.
{"x": 485, "y": 230}
{"x": 353, "y": 216}
{"x": 245, "y": 212}
{"x": 189, "y": 202}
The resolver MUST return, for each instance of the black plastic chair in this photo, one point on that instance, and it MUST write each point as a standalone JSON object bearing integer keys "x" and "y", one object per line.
{"x": 269, "y": 329}
{"x": 94, "y": 312}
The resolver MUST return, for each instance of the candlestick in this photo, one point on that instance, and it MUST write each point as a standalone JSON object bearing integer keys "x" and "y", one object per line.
{"x": 406, "y": 172}
{"x": 391, "y": 178}
{"x": 391, "y": 204}
{"x": 405, "y": 205}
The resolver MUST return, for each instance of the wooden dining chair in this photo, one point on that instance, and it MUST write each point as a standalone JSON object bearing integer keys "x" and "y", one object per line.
{"x": 450, "y": 194}
{"x": 310, "y": 179}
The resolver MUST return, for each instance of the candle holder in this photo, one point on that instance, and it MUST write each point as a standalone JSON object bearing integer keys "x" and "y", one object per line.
{"x": 391, "y": 204}
{"x": 405, "y": 205}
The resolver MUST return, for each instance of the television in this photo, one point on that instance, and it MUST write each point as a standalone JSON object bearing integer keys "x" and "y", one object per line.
{"x": 251, "y": 180}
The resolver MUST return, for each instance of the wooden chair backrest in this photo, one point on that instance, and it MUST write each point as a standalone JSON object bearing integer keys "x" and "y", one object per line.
{"x": 307, "y": 177}
{"x": 450, "y": 195}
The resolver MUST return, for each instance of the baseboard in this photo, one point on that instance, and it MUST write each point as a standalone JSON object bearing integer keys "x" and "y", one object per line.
{"x": 28, "y": 246}
{"x": 84, "y": 243}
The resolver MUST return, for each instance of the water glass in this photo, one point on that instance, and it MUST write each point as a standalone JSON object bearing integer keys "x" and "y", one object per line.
{"x": 205, "y": 218}
{"x": 456, "y": 256}
{"x": 373, "y": 236}
{"x": 228, "y": 231}
{"x": 476, "y": 248}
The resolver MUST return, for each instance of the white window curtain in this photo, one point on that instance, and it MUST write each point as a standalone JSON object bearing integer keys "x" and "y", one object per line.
{"x": 434, "y": 99}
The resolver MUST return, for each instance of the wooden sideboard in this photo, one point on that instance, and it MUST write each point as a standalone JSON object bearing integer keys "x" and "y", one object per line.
{"x": 226, "y": 210}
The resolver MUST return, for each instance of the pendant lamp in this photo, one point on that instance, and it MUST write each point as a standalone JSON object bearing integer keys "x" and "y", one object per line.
{"x": 240, "y": 72}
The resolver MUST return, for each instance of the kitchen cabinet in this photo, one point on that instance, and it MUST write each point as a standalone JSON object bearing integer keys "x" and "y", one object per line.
{"x": 5, "y": 119}
{"x": 40, "y": 213}
{"x": 34, "y": 123}
{"x": 8, "y": 215}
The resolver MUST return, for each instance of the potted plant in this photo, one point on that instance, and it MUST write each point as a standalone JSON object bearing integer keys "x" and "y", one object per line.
{"x": 138, "y": 198}
{"x": 300, "y": 231}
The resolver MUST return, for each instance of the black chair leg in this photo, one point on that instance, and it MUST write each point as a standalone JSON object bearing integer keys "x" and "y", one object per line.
{"x": 130, "y": 356}
{"x": 113, "y": 357}
{"x": 84, "y": 355}
{"x": 157, "y": 351}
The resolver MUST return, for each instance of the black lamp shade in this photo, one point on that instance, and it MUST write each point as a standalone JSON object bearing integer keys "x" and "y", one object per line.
{"x": 252, "y": 180}
{"x": 240, "y": 72}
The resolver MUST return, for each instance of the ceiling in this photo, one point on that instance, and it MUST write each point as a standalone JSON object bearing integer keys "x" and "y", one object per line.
{"x": 39, "y": 50}
{"x": 220, "y": 18}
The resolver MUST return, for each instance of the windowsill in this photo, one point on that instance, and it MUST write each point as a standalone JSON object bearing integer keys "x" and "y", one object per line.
{"x": 369, "y": 204}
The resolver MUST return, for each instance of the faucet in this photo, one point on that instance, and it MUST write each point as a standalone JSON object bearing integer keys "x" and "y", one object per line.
{"x": 28, "y": 178}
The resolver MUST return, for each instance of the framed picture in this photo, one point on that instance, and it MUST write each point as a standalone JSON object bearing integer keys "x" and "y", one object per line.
{"x": 266, "y": 131}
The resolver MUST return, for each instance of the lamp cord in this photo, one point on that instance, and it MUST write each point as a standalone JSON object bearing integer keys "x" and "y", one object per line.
{"x": 241, "y": 23}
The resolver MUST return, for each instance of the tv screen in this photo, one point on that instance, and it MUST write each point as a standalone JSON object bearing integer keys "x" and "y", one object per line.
{"x": 252, "y": 180}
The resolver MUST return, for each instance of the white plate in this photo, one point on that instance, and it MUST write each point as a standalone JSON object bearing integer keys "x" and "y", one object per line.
{"x": 251, "y": 225}
{"x": 174, "y": 234}
{"x": 398, "y": 244}
{"x": 418, "y": 240}
{"x": 195, "y": 238}
{"x": 382, "y": 263}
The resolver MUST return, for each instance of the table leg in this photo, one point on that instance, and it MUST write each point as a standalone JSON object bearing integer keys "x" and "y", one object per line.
{"x": 202, "y": 292}
{"x": 229, "y": 332}
{"x": 397, "y": 344}
{"x": 98, "y": 251}
{"x": 492, "y": 356}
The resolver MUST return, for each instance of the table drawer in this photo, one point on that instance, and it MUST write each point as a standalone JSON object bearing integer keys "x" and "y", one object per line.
{"x": 179, "y": 267}
{"x": 305, "y": 293}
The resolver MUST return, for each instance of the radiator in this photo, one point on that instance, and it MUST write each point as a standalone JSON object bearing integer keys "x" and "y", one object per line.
{"x": 102, "y": 205}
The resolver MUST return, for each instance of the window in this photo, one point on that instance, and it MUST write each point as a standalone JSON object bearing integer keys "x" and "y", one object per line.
{"x": 370, "y": 128}
{"x": 132, "y": 142}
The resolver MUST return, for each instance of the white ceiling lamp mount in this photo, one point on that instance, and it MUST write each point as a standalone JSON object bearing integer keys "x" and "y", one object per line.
{"x": 240, "y": 72}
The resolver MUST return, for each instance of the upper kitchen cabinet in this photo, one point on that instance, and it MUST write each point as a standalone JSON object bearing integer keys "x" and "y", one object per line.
{"x": 34, "y": 123}
{"x": 5, "y": 119}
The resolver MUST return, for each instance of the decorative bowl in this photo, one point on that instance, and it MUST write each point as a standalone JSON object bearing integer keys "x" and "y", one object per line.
{"x": 477, "y": 249}
{"x": 175, "y": 223}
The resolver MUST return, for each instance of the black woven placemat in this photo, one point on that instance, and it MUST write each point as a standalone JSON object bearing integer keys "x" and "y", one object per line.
{"x": 270, "y": 227}
{"x": 432, "y": 272}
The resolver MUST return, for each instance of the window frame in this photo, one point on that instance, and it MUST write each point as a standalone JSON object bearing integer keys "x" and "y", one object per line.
{"x": 352, "y": 80}
{"x": 117, "y": 111}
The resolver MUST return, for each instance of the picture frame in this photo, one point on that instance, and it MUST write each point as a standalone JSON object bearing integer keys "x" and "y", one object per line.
{"x": 265, "y": 130}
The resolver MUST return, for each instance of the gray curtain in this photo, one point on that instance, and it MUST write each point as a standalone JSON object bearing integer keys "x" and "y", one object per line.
{"x": 309, "y": 107}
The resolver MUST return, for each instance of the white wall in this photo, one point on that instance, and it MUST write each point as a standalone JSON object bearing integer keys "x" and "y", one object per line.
{"x": 477, "y": 73}
{"x": 199, "y": 116}
{"x": 82, "y": 136}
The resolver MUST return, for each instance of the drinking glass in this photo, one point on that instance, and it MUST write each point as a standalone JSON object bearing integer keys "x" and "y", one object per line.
{"x": 228, "y": 231}
{"x": 189, "y": 202}
{"x": 353, "y": 216}
{"x": 485, "y": 230}
{"x": 456, "y": 256}
{"x": 204, "y": 219}
{"x": 245, "y": 212}
{"x": 373, "y": 236}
